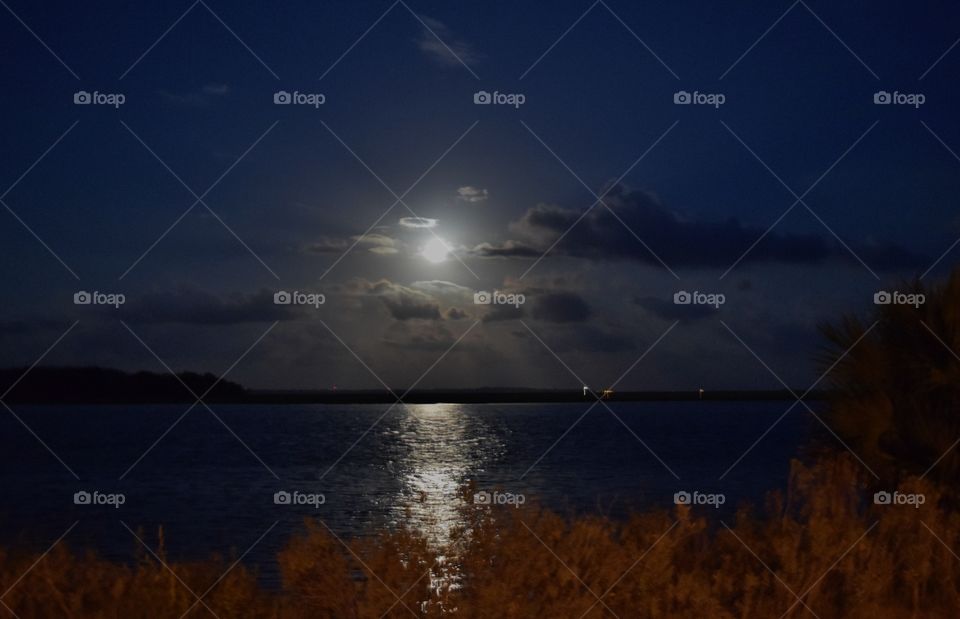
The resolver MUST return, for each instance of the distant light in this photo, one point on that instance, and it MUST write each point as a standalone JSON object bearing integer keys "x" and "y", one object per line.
{"x": 436, "y": 251}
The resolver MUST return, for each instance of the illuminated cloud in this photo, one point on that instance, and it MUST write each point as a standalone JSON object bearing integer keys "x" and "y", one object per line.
{"x": 418, "y": 222}
{"x": 471, "y": 194}
{"x": 378, "y": 244}
{"x": 402, "y": 302}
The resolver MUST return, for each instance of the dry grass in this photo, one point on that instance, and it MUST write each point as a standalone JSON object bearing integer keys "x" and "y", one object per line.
{"x": 532, "y": 563}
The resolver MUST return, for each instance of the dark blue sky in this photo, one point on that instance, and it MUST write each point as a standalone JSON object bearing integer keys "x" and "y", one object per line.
{"x": 798, "y": 82}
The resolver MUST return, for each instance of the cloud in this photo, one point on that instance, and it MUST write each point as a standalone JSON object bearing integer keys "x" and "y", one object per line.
{"x": 188, "y": 305}
{"x": 472, "y": 194}
{"x": 440, "y": 44}
{"x": 327, "y": 245}
{"x": 378, "y": 244}
{"x": 455, "y": 313}
{"x": 670, "y": 311}
{"x": 438, "y": 287}
{"x": 33, "y": 325}
{"x": 418, "y": 222}
{"x": 603, "y": 234}
{"x": 201, "y": 97}
{"x": 402, "y": 303}
{"x": 374, "y": 243}
{"x": 560, "y": 307}
{"x": 545, "y": 305}
{"x": 404, "y": 306}
{"x": 509, "y": 249}
{"x": 500, "y": 313}
{"x": 435, "y": 339}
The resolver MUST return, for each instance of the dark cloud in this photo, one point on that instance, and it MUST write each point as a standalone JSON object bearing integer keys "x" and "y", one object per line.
{"x": 193, "y": 306}
{"x": 592, "y": 339}
{"x": 499, "y": 313}
{"x": 33, "y": 326}
{"x": 560, "y": 307}
{"x": 408, "y": 307}
{"x": 455, "y": 313}
{"x": 585, "y": 338}
{"x": 604, "y": 234}
{"x": 668, "y": 310}
{"x": 434, "y": 339}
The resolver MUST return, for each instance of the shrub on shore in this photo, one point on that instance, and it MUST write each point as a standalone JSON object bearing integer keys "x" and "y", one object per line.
{"x": 822, "y": 545}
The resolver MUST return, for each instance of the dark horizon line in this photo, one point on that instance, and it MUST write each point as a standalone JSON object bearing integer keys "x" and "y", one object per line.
{"x": 497, "y": 395}
{"x": 97, "y": 385}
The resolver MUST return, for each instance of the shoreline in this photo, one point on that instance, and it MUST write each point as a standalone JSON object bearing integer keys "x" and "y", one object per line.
{"x": 489, "y": 396}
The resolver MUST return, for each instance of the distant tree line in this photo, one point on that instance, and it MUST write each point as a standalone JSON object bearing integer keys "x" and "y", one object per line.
{"x": 94, "y": 385}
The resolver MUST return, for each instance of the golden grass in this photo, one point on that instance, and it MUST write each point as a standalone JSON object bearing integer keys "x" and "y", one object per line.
{"x": 529, "y": 562}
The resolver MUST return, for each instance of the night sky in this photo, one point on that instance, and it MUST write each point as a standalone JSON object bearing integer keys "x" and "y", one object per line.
{"x": 398, "y": 198}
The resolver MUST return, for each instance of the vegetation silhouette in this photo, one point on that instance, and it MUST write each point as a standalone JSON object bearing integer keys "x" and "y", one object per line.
{"x": 895, "y": 396}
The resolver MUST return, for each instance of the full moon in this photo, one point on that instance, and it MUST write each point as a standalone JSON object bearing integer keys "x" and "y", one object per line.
{"x": 435, "y": 250}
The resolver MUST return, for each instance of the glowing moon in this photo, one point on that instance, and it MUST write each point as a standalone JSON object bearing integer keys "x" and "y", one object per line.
{"x": 435, "y": 251}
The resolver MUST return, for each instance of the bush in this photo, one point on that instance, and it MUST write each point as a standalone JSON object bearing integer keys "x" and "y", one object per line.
{"x": 896, "y": 394}
{"x": 823, "y": 539}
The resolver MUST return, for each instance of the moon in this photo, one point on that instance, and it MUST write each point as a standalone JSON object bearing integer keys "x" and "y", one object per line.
{"x": 435, "y": 251}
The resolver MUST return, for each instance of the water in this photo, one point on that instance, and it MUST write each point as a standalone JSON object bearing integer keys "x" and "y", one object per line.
{"x": 211, "y": 494}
